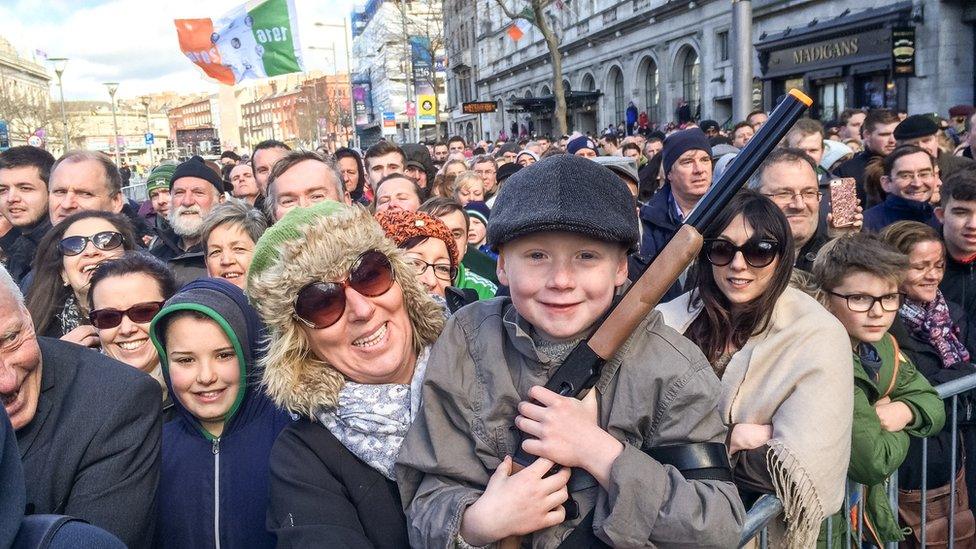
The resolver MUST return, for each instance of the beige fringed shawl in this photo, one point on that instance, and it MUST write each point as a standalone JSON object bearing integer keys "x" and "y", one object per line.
{"x": 796, "y": 376}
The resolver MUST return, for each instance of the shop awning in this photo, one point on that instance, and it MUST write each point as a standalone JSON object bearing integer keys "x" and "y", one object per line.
{"x": 547, "y": 103}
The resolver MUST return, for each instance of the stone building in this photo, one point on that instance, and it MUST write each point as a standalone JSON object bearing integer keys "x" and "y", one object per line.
{"x": 25, "y": 104}
{"x": 656, "y": 53}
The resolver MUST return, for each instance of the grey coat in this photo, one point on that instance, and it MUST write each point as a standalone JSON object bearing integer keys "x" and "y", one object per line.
{"x": 92, "y": 449}
{"x": 659, "y": 390}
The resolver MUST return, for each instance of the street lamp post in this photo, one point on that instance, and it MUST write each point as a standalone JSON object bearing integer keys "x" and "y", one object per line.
{"x": 59, "y": 65}
{"x": 352, "y": 105}
{"x": 112, "y": 88}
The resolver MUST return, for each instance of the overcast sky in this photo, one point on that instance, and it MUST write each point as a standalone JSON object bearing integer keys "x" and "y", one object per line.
{"x": 134, "y": 42}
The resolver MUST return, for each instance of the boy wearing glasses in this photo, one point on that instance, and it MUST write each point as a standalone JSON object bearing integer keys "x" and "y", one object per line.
{"x": 910, "y": 178}
{"x": 563, "y": 227}
{"x": 859, "y": 276}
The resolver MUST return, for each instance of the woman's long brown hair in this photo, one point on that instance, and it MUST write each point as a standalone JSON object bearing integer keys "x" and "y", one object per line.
{"x": 717, "y": 328}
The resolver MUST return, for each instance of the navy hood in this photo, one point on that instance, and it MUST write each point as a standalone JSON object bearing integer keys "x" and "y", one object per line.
{"x": 226, "y": 305}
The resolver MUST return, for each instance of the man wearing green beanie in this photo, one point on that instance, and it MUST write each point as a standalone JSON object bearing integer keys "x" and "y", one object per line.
{"x": 157, "y": 187}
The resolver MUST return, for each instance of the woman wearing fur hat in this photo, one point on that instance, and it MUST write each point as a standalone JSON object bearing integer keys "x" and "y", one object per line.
{"x": 350, "y": 327}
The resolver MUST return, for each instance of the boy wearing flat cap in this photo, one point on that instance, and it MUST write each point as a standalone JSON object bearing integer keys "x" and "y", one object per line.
{"x": 563, "y": 228}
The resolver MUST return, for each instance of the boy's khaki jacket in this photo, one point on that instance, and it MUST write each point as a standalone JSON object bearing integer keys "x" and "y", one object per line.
{"x": 658, "y": 390}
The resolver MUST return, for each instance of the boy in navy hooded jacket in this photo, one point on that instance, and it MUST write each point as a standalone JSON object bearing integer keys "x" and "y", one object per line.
{"x": 213, "y": 486}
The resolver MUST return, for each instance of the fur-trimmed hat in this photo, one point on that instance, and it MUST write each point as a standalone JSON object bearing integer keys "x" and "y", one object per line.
{"x": 402, "y": 225}
{"x": 322, "y": 249}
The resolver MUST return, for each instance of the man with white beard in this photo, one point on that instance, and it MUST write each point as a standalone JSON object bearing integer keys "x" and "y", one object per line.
{"x": 194, "y": 190}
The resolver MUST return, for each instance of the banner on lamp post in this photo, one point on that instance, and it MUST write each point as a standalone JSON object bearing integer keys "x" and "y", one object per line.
{"x": 427, "y": 112}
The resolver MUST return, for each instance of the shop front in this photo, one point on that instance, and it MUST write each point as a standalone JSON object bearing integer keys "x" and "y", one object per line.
{"x": 860, "y": 60}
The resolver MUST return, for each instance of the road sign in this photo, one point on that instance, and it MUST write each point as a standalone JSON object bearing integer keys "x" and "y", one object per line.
{"x": 34, "y": 141}
{"x": 150, "y": 139}
{"x": 479, "y": 107}
{"x": 4, "y": 136}
{"x": 389, "y": 123}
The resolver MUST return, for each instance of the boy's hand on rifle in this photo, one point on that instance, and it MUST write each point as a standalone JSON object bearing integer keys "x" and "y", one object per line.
{"x": 516, "y": 505}
{"x": 748, "y": 436}
{"x": 566, "y": 432}
{"x": 894, "y": 416}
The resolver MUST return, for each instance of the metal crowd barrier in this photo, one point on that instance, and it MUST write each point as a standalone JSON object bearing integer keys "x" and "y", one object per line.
{"x": 769, "y": 507}
{"x": 136, "y": 190}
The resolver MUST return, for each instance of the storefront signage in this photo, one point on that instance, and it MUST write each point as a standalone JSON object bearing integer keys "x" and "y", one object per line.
{"x": 903, "y": 51}
{"x": 843, "y": 50}
{"x": 479, "y": 107}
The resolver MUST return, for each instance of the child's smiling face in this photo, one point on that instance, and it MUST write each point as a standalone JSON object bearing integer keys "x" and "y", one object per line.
{"x": 561, "y": 282}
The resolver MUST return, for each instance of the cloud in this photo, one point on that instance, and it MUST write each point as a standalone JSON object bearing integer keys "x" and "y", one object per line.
{"x": 134, "y": 42}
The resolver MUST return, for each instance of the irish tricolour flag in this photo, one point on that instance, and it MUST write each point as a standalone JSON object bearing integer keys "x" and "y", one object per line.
{"x": 255, "y": 40}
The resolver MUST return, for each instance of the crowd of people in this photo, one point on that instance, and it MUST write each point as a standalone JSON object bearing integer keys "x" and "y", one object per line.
{"x": 339, "y": 348}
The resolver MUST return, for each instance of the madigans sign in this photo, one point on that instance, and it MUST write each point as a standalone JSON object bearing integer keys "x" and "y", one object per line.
{"x": 843, "y": 50}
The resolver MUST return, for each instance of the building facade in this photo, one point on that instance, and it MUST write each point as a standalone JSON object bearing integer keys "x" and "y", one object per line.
{"x": 91, "y": 128}
{"x": 659, "y": 53}
{"x": 398, "y": 54}
{"x": 25, "y": 105}
{"x": 193, "y": 127}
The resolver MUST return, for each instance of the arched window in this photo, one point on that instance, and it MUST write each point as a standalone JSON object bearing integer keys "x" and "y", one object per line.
{"x": 618, "y": 96}
{"x": 651, "y": 94}
{"x": 588, "y": 83}
{"x": 690, "y": 72}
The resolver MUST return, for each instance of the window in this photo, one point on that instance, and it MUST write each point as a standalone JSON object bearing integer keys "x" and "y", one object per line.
{"x": 689, "y": 81}
{"x": 651, "y": 89}
{"x": 722, "y": 45}
{"x": 618, "y": 97}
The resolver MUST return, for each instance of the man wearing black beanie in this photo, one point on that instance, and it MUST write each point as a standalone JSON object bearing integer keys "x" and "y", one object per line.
{"x": 687, "y": 164}
{"x": 195, "y": 189}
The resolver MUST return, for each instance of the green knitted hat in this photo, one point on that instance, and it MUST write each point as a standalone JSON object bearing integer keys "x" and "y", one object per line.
{"x": 269, "y": 246}
{"x": 159, "y": 178}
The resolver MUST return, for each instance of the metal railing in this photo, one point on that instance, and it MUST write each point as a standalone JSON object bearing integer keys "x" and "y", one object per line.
{"x": 768, "y": 507}
{"x": 136, "y": 190}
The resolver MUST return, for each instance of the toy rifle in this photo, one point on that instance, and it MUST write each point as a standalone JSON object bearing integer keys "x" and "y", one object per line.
{"x": 582, "y": 367}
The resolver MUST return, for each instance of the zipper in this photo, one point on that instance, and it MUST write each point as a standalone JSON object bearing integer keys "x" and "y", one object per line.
{"x": 216, "y": 453}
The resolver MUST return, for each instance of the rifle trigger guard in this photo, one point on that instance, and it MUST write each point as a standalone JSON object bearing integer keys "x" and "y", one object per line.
{"x": 696, "y": 461}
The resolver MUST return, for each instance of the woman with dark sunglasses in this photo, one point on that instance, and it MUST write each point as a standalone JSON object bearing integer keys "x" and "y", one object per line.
{"x": 124, "y": 296}
{"x": 66, "y": 259}
{"x": 782, "y": 360}
{"x": 350, "y": 327}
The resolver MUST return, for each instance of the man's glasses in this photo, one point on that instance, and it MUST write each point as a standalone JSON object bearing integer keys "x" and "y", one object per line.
{"x": 787, "y": 197}
{"x": 105, "y": 240}
{"x": 140, "y": 313}
{"x": 908, "y": 177}
{"x": 757, "y": 253}
{"x": 319, "y": 305}
{"x": 862, "y": 303}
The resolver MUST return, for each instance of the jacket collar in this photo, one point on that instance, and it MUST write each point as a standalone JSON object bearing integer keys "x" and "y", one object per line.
{"x": 659, "y": 210}
{"x": 912, "y": 207}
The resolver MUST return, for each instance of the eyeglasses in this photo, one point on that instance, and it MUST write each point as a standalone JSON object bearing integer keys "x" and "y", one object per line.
{"x": 443, "y": 271}
{"x": 105, "y": 240}
{"x": 908, "y": 177}
{"x": 140, "y": 313}
{"x": 862, "y": 303}
{"x": 757, "y": 253}
{"x": 321, "y": 304}
{"x": 786, "y": 197}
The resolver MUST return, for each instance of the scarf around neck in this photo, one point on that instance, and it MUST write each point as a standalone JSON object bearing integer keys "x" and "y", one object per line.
{"x": 371, "y": 420}
{"x": 931, "y": 321}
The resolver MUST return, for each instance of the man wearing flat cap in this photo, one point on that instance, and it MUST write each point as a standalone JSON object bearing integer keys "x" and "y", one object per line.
{"x": 194, "y": 190}
{"x": 922, "y": 130}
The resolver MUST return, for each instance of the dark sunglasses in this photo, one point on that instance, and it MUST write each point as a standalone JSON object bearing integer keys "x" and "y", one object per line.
{"x": 140, "y": 313}
{"x": 105, "y": 240}
{"x": 321, "y": 304}
{"x": 757, "y": 253}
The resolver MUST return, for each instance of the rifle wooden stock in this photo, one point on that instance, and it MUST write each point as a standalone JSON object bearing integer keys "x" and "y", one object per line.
{"x": 582, "y": 367}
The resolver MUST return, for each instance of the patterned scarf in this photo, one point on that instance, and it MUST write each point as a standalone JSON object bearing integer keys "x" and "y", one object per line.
{"x": 70, "y": 316}
{"x": 931, "y": 321}
{"x": 371, "y": 420}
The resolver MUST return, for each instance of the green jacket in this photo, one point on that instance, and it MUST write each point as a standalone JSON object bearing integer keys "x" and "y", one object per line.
{"x": 468, "y": 279}
{"x": 876, "y": 453}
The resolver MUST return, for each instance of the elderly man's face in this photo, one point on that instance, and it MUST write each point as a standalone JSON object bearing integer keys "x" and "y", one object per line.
{"x": 20, "y": 362}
